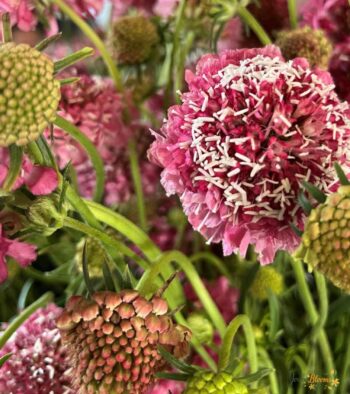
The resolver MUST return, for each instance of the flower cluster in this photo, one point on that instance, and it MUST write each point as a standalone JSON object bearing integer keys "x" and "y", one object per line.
{"x": 38, "y": 361}
{"x": 251, "y": 128}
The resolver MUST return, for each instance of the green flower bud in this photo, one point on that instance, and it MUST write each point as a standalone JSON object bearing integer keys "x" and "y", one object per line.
{"x": 267, "y": 278}
{"x": 132, "y": 39}
{"x": 201, "y": 328}
{"x": 306, "y": 42}
{"x": 204, "y": 382}
{"x": 44, "y": 216}
{"x": 29, "y": 94}
{"x": 326, "y": 239}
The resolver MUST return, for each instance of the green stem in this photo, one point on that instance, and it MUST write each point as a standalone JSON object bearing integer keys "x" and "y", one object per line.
{"x": 15, "y": 165}
{"x": 180, "y": 259}
{"x": 137, "y": 180}
{"x": 323, "y": 303}
{"x": 6, "y": 27}
{"x": 227, "y": 343}
{"x": 265, "y": 358}
{"x": 251, "y": 21}
{"x": 91, "y": 151}
{"x": 293, "y": 15}
{"x": 211, "y": 258}
{"x": 19, "y": 320}
{"x": 106, "y": 239}
{"x": 35, "y": 153}
{"x": 312, "y": 312}
{"x": 95, "y": 39}
{"x": 344, "y": 378}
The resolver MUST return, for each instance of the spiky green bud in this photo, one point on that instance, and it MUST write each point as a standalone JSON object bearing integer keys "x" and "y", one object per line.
{"x": 267, "y": 278}
{"x": 205, "y": 382}
{"x": 132, "y": 39}
{"x": 201, "y": 327}
{"x": 326, "y": 240}
{"x": 29, "y": 94}
{"x": 308, "y": 43}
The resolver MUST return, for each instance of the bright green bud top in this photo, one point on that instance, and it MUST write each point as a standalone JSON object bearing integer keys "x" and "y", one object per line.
{"x": 201, "y": 328}
{"x": 29, "y": 94}
{"x": 326, "y": 239}
{"x": 205, "y": 382}
{"x": 308, "y": 43}
{"x": 267, "y": 278}
{"x": 132, "y": 39}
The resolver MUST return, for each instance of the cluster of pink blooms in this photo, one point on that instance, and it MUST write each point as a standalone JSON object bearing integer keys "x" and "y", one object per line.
{"x": 333, "y": 16}
{"x": 38, "y": 361}
{"x": 251, "y": 128}
{"x": 93, "y": 105}
{"x": 25, "y": 15}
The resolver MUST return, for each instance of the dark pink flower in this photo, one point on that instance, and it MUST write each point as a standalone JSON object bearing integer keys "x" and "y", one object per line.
{"x": 225, "y": 296}
{"x": 339, "y": 67}
{"x": 22, "y": 13}
{"x": 93, "y": 105}
{"x": 38, "y": 361}
{"x": 39, "y": 180}
{"x": 333, "y": 16}
{"x": 167, "y": 386}
{"x": 251, "y": 128}
{"x": 22, "y": 252}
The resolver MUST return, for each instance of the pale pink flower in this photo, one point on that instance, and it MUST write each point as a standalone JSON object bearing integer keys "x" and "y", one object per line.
{"x": 22, "y": 252}
{"x": 93, "y": 105}
{"x": 251, "y": 128}
{"x": 163, "y": 8}
{"x": 22, "y": 13}
{"x": 38, "y": 361}
{"x": 330, "y": 15}
{"x": 40, "y": 180}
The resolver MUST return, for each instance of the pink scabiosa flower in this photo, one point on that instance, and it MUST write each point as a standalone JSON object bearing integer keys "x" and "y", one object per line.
{"x": 38, "y": 362}
{"x": 93, "y": 105}
{"x": 339, "y": 68}
{"x": 333, "y": 16}
{"x": 163, "y": 8}
{"x": 22, "y": 13}
{"x": 251, "y": 128}
{"x": 167, "y": 386}
{"x": 39, "y": 180}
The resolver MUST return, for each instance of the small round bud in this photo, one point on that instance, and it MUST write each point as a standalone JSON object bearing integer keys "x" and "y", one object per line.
{"x": 266, "y": 279}
{"x": 308, "y": 43}
{"x": 29, "y": 94}
{"x": 201, "y": 328}
{"x": 132, "y": 39}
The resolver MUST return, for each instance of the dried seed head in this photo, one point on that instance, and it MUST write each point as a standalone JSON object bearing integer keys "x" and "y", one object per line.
{"x": 113, "y": 340}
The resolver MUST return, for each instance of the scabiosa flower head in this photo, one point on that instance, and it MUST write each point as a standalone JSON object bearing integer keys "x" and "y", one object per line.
{"x": 333, "y": 16}
{"x": 132, "y": 39}
{"x": 113, "y": 340}
{"x": 29, "y": 94}
{"x": 326, "y": 239}
{"x": 38, "y": 362}
{"x": 225, "y": 296}
{"x": 308, "y": 43}
{"x": 22, "y": 252}
{"x": 250, "y": 129}
{"x": 339, "y": 68}
{"x": 266, "y": 279}
{"x": 204, "y": 382}
{"x": 93, "y": 105}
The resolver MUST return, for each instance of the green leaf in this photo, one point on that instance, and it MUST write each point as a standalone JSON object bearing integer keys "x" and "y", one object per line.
{"x": 341, "y": 175}
{"x": 178, "y": 364}
{"x": 297, "y": 230}
{"x": 87, "y": 279}
{"x": 47, "y": 41}
{"x": 107, "y": 275}
{"x": 4, "y": 358}
{"x": 68, "y": 81}
{"x": 316, "y": 193}
{"x": 304, "y": 203}
{"x": 254, "y": 377}
{"x": 73, "y": 58}
{"x": 274, "y": 315}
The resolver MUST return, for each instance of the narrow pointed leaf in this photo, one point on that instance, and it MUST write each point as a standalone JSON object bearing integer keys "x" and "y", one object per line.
{"x": 341, "y": 175}
{"x": 68, "y": 81}
{"x": 73, "y": 58}
{"x": 315, "y": 192}
{"x": 107, "y": 275}
{"x": 178, "y": 364}
{"x": 254, "y": 377}
{"x": 181, "y": 377}
{"x": 297, "y": 230}
{"x": 4, "y": 358}
{"x": 304, "y": 203}
{"x": 47, "y": 41}
{"x": 86, "y": 275}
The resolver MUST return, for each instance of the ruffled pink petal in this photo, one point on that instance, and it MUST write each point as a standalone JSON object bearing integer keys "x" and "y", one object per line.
{"x": 41, "y": 180}
{"x": 22, "y": 252}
